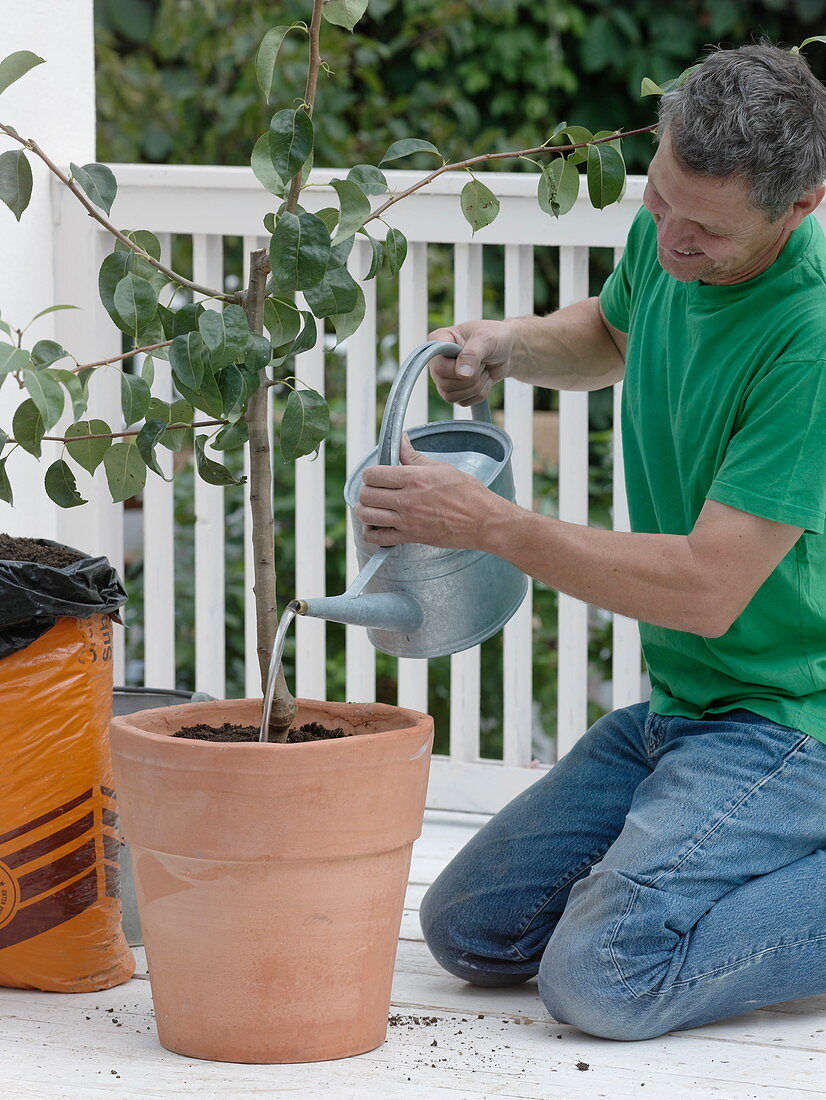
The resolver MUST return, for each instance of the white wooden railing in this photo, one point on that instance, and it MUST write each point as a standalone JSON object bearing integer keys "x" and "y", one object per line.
{"x": 212, "y": 203}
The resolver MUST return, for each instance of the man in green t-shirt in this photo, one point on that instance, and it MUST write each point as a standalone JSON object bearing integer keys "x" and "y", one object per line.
{"x": 669, "y": 870}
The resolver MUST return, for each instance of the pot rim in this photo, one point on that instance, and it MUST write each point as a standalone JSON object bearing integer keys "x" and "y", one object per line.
{"x": 128, "y": 722}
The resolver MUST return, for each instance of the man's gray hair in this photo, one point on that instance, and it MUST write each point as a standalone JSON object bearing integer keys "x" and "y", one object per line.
{"x": 757, "y": 113}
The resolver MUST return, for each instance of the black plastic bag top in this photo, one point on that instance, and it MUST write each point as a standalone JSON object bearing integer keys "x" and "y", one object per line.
{"x": 33, "y": 596}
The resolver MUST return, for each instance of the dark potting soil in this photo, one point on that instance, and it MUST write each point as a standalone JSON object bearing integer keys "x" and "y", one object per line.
{"x": 20, "y": 549}
{"x": 310, "y": 731}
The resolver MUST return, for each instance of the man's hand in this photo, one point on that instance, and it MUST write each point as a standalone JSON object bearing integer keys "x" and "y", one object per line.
{"x": 484, "y": 359}
{"x": 423, "y": 501}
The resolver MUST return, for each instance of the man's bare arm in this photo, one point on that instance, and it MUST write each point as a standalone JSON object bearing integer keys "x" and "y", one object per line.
{"x": 573, "y": 349}
{"x": 697, "y": 583}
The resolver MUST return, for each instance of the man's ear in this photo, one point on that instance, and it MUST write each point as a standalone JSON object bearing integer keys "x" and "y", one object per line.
{"x": 805, "y": 206}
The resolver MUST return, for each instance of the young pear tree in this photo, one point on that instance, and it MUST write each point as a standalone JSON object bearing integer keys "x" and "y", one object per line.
{"x": 228, "y": 349}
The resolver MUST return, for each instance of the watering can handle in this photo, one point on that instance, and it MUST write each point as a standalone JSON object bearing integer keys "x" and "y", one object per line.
{"x": 390, "y": 438}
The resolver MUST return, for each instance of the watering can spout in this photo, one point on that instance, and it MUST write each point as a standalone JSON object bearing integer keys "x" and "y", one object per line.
{"x": 394, "y": 611}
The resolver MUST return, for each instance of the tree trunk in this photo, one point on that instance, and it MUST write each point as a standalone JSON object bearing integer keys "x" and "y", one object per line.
{"x": 263, "y": 527}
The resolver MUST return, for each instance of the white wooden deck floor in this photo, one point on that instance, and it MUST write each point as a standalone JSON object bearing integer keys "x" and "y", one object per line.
{"x": 448, "y": 1040}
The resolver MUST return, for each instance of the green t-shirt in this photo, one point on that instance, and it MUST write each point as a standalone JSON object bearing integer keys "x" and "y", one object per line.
{"x": 725, "y": 399}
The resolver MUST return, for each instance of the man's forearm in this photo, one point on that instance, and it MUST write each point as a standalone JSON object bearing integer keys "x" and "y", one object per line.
{"x": 567, "y": 350}
{"x": 649, "y": 577}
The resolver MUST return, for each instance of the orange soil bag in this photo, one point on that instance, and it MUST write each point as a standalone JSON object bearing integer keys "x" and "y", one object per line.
{"x": 60, "y": 912}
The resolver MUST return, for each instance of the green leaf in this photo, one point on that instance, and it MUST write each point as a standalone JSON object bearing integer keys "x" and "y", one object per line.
{"x": 291, "y": 141}
{"x": 262, "y": 167}
{"x": 27, "y": 425}
{"x": 49, "y": 309}
{"x": 88, "y": 453}
{"x": 97, "y": 182}
{"x": 46, "y": 352}
{"x": 354, "y": 208}
{"x": 148, "y": 370}
{"x": 186, "y": 319}
{"x": 135, "y": 396}
{"x": 558, "y": 187}
{"x": 61, "y": 485}
{"x": 299, "y": 251}
{"x": 233, "y": 391}
{"x": 143, "y": 239}
{"x": 266, "y": 58}
{"x": 395, "y": 248}
{"x": 377, "y": 258}
{"x": 336, "y": 293}
{"x": 606, "y": 175}
{"x": 282, "y": 320}
{"x": 12, "y": 359}
{"x": 479, "y": 204}
{"x": 186, "y": 356}
{"x": 213, "y": 472}
{"x": 258, "y": 352}
{"x": 5, "y": 485}
{"x": 305, "y": 424}
{"x": 806, "y": 41}
{"x": 232, "y": 437}
{"x": 180, "y": 412}
{"x": 46, "y": 393}
{"x": 329, "y": 215}
{"x": 136, "y": 301}
{"x": 405, "y": 146}
{"x": 309, "y": 334}
{"x": 4, "y": 438}
{"x": 225, "y": 334}
{"x": 147, "y": 439}
{"x": 346, "y": 324}
{"x": 575, "y": 135}
{"x": 75, "y": 388}
{"x": 125, "y": 470}
{"x": 15, "y": 181}
{"x": 344, "y": 13}
{"x": 18, "y": 64}
{"x": 369, "y": 179}
{"x": 649, "y": 87}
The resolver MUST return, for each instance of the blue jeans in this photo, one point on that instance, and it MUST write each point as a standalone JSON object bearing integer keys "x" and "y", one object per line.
{"x": 665, "y": 873}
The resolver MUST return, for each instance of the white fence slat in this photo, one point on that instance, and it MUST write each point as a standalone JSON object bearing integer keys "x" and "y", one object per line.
{"x": 97, "y": 527}
{"x": 310, "y": 634}
{"x": 252, "y": 671}
{"x": 465, "y": 667}
{"x": 361, "y": 438}
{"x": 518, "y": 633}
{"x": 626, "y": 649}
{"x": 572, "y": 669}
{"x": 159, "y": 547}
{"x": 210, "y": 601}
{"x": 413, "y": 328}
{"x": 625, "y": 654}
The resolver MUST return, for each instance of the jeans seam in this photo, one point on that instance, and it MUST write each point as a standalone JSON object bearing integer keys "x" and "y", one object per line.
{"x": 615, "y": 933}
{"x": 586, "y": 864}
{"x": 736, "y": 806}
{"x": 730, "y": 967}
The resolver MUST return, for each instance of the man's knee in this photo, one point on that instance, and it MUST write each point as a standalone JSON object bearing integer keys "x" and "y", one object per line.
{"x": 580, "y": 982}
{"x": 579, "y": 986}
{"x": 464, "y": 947}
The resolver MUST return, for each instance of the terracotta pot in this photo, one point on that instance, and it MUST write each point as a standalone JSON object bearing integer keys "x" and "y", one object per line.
{"x": 271, "y": 878}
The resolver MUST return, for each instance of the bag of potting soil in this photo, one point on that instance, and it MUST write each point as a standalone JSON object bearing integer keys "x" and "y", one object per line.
{"x": 60, "y": 914}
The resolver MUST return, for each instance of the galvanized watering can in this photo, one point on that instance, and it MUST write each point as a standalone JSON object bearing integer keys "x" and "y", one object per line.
{"x": 424, "y": 601}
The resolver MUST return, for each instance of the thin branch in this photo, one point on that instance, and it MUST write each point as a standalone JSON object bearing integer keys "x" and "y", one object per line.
{"x": 30, "y": 144}
{"x": 310, "y": 89}
{"x": 126, "y": 355}
{"x": 483, "y": 157}
{"x": 124, "y": 435}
